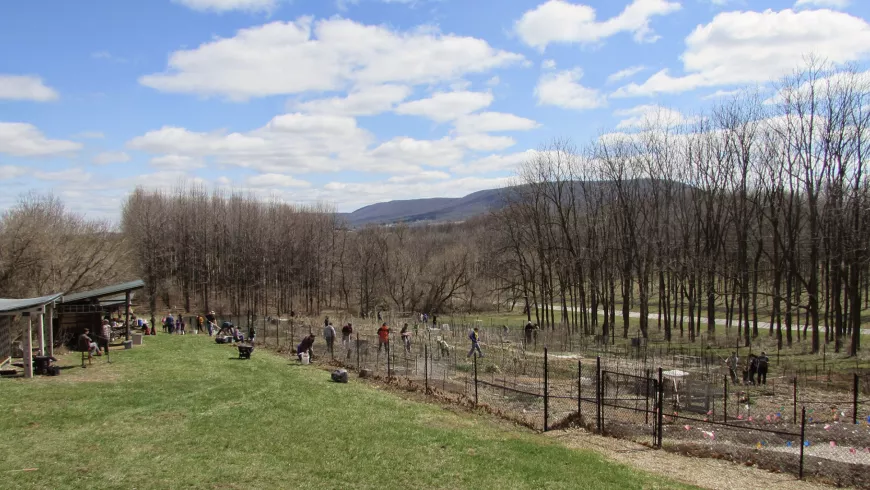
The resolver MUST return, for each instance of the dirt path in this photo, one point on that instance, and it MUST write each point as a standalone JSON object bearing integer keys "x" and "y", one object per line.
{"x": 703, "y": 472}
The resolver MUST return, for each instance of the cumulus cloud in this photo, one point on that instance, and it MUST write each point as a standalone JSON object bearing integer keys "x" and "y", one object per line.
{"x": 25, "y": 87}
{"x": 26, "y": 140}
{"x": 834, "y": 4}
{"x": 563, "y": 89}
{"x": 326, "y": 55}
{"x": 221, "y": 6}
{"x": 108, "y": 157}
{"x": 753, "y": 47}
{"x": 276, "y": 180}
{"x": 361, "y": 102}
{"x": 646, "y": 115}
{"x": 493, "y": 122}
{"x": 559, "y": 21}
{"x": 446, "y": 106}
{"x": 11, "y": 171}
{"x": 300, "y": 143}
{"x": 176, "y": 162}
{"x": 626, "y": 73}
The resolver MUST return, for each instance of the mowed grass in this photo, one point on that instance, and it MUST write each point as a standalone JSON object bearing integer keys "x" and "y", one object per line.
{"x": 180, "y": 413}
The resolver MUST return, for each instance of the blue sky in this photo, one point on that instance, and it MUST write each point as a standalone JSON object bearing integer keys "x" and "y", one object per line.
{"x": 351, "y": 102}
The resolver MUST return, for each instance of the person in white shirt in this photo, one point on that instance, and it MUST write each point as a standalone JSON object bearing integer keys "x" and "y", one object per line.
{"x": 329, "y": 335}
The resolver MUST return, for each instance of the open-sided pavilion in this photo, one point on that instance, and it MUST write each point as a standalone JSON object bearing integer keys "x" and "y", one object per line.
{"x": 41, "y": 307}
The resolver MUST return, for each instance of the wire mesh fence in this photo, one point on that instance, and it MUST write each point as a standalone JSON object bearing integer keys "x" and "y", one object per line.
{"x": 681, "y": 399}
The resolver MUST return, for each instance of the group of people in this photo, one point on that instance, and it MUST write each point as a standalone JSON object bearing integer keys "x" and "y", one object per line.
{"x": 752, "y": 367}
{"x": 100, "y": 341}
{"x": 306, "y": 346}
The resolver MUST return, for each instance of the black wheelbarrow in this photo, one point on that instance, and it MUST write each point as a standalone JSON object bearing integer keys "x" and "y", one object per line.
{"x": 245, "y": 351}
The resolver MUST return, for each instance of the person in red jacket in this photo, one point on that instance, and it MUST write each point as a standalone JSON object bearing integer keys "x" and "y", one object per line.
{"x": 384, "y": 338}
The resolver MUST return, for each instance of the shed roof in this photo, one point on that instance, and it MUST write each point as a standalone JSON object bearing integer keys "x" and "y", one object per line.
{"x": 103, "y": 292}
{"x": 11, "y": 306}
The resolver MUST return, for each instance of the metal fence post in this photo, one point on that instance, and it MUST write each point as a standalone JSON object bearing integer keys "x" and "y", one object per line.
{"x": 358, "y": 365}
{"x": 854, "y": 398}
{"x": 598, "y": 412}
{"x": 646, "y": 412}
{"x": 475, "y": 379}
{"x": 794, "y": 399}
{"x": 725, "y": 401}
{"x": 546, "y": 390}
{"x": 579, "y": 392}
{"x": 661, "y": 407}
{"x": 426, "y": 366}
{"x": 803, "y": 435}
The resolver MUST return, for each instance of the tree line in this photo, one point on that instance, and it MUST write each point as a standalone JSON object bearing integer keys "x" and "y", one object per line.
{"x": 759, "y": 207}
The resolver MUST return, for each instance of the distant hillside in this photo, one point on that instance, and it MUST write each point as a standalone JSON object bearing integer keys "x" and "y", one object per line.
{"x": 447, "y": 209}
{"x": 438, "y": 209}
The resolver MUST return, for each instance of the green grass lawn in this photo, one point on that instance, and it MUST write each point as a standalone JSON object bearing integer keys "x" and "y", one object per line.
{"x": 180, "y": 413}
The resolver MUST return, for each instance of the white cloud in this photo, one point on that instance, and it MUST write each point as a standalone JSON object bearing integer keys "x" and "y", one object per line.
{"x": 72, "y": 175}
{"x": 25, "y": 87}
{"x": 425, "y": 176}
{"x": 495, "y": 163}
{"x": 108, "y": 157}
{"x": 361, "y": 102}
{"x": 756, "y": 47}
{"x": 25, "y": 140}
{"x": 834, "y": 4}
{"x": 326, "y": 55}
{"x": 562, "y": 89}
{"x": 626, "y": 73}
{"x": 722, "y": 93}
{"x": 90, "y": 135}
{"x": 492, "y": 82}
{"x": 276, "y": 180}
{"x": 228, "y": 5}
{"x": 650, "y": 115}
{"x": 11, "y": 171}
{"x": 446, "y": 106}
{"x": 558, "y": 21}
{"x": 176, "y": 162}
{"x": 548, "y": 64}
{"x": 493, "y": 122}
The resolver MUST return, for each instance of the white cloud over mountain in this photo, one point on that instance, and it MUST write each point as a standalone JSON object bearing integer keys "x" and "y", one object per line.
{"x": 757, "y": 47}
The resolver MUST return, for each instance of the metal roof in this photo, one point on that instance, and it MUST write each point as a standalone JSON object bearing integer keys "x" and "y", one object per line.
{"x": 16, "y": 305}
{"x": 106, "y": 291}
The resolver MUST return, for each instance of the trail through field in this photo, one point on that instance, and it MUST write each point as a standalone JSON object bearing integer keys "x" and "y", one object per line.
{"x": 721, "y": 321}
{"x": 706, "y": 473}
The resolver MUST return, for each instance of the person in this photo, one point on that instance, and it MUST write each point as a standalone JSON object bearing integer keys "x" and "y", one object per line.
{"x": 528, "y": 331}
{"x": 87, "y": 344}
{"x": 200, "y": 322}
{"x": 346, "y": 333}
{"x": 226, "y": 329}
{"x": 434, "y": 320}
{"x": 504, "y": 333}
{"x": 329, "y": 337}
{"x": 252, "y": 333}
{"x": 379, "y": 315}
{"x": 211, "y": 320}
{"x": 170, "y": 324}
{"x": 306, "y": 346}
{"x": 237, "y": 334}
{"x": 384, "y": 338}
{"x": 751, "y": 368}
{"x": 326, "y": 321}
{"x": 406, "y": 338}
{"x": 180, "y": 325}
{"x": 732, "y": 362}
{"x": 761, "y": 362}
{"x": 106, "y": 336}
{"x": 474, "y": 337}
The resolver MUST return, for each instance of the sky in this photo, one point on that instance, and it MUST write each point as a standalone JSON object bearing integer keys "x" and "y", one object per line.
{"x": 351, "y": 102}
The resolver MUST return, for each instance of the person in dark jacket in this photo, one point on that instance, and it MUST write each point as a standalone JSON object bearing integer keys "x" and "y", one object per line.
{"x": 761, "y": 365}
{"x": 306, "y": 346}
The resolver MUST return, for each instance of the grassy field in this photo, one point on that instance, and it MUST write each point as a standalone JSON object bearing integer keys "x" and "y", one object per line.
{"x": 179, "y": 412}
